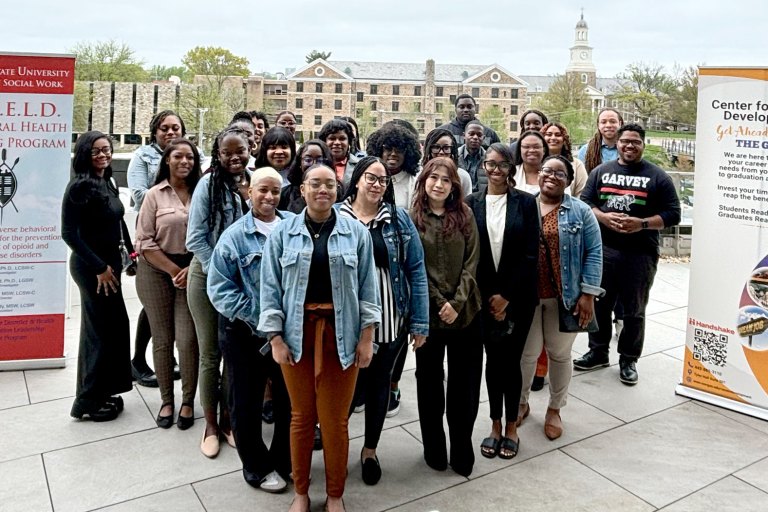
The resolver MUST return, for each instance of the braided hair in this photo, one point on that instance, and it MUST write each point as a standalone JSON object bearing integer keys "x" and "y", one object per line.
{"x": 158, "y": 119}
{"x": 222, "y": 188}
{"x": 593, "y": 158}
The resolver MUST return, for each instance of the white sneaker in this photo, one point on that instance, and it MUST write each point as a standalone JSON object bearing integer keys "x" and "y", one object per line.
{"x": 273, "y": 482}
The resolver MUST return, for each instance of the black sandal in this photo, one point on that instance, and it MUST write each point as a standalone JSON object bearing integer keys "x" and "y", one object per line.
{"x": 489, "y": 448}
{"x": 510, "y": 446}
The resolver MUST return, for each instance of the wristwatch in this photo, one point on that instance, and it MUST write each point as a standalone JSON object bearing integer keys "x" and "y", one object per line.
{"x": 645, "y": 224}
{"x": 273, "y": 335}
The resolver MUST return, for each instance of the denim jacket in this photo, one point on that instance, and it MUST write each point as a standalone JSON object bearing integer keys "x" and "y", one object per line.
{"x": 233, "y": 273}
{"x": 200, "y": 239}
{"x": 581, "y": 250}
{"x": 285, "y": 266}
{"x": 142, "y": 170}
{"x": 407, "y": 272}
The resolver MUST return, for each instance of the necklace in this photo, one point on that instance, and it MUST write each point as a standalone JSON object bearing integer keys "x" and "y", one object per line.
{"x": 315, "y": 234}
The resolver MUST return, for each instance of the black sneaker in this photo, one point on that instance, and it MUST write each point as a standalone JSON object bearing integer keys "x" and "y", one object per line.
{"x": 144, "y": 377}
{"x": 628, "y": 372}
{"x": 394, "y": 403}
{"x": 590, "y": 361}
{"x": 538, "y": 383}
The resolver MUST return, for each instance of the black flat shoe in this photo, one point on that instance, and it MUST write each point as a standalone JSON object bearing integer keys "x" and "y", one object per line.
{"x": 318, "y": 442}
{"x": 146, "y": 378}
{"x": 105, "y": 412}
{"x": 185, "y": 422}
{"x": 164, "y": 421}
{"x": 371, "y": 470}
{"x": 268, "y": 413}
{"x": 116, "y": 402}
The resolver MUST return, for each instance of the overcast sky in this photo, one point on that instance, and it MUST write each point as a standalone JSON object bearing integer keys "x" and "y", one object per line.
{"x": 527, "y": 38}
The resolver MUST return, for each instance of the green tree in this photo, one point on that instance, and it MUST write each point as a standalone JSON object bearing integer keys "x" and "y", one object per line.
{"x": 108, "y": 61}
{"x": 314, "y": 55}
{"x": 648, "y": 88}
{"x": 493, "y": 118}
{"x": 567, "y": 93}
{"x": 682, "y": 108}
{"x": 366, "y": 123}
{"x": 216, "y": 64}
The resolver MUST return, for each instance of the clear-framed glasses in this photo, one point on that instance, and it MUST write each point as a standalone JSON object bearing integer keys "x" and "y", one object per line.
{"x": 371, "y": 178}
{"x": 106, "y": 150}
{"x": 548, "y": 171}
{"x": 492, "y": 165}
{"x": 316, "y": 184}
{"x": 445, "y": 149}
{"x": 312, "y": 160}
{"x": 631, "y": 142}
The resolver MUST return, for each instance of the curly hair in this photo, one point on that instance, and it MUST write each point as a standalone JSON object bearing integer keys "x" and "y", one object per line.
{"x": 296, "y": 170}
{"x": 456, "y": 212}
{"x": 566, "y": 149}
{"x": 336, "y": 126}
{"x": 593, "y": 158}
{"x": 392, "y": 135}
{"x": 431, "y": 140}
{"x": 158, "y": 119}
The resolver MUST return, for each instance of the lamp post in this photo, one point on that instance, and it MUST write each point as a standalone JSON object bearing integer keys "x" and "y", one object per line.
{"x": 200, "y": 126}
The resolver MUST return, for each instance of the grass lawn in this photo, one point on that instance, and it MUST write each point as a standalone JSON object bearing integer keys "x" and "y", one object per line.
{"x": 670, "y": 135}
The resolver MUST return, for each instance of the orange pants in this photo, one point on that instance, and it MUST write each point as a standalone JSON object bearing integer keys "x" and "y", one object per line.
{"x": 320, "y": 389}
{"x": 542, "y": 364}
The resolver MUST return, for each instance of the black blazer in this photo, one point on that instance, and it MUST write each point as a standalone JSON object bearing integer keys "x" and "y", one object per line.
{"x": 517, "y": 278}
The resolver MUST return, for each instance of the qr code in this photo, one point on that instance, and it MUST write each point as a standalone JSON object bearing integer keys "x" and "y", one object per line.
{"x": 710, "y": 347}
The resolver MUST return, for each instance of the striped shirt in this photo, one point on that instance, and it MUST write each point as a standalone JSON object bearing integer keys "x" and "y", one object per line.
{"x": 391, "y": 322}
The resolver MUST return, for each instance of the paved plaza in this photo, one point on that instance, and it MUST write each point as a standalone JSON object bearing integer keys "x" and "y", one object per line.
{"x": 631, "y": 449}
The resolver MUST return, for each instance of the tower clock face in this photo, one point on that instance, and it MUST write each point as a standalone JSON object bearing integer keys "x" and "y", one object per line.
{"x": 584, "y": 55}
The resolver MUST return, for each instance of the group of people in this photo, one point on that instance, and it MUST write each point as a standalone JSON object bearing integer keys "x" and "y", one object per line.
{"x": 293, "y": 280}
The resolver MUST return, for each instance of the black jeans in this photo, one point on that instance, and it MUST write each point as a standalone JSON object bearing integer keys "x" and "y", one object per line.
{"x": 247, "y": 372}
{"x": 627, "y": 278}
{"x": 373, "y": 384}
{"x": 503, "y": 376}
{"x": 459, "y": 402}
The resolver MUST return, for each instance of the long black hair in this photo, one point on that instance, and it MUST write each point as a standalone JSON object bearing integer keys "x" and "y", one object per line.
{"x": 295, "y": 172}
{"x": 164, "y": 171}
{"x": 87, "y": 181}
{"x": 431, "y": 140}
{"x": 360, "y": 168}
{"x": 275, "y": 136}
{"x": 221, "y": 185}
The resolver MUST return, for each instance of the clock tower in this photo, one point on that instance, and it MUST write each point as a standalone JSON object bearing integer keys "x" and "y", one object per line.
{"x": 581, "y": 55}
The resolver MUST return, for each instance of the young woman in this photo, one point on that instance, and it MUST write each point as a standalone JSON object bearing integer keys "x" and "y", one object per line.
{"x": 507, "y": 221}
{"x": 92, "y": 226}
{"x": 218, "y": 201}
{"x": 451, "y": 254}
{"x": 531, "y": 120}
{"x": 310, "y": 153}
{"x": 440, "y": 142}
{"x": 399, "y": 149}
{"x": 287, "y": 120}
{"x": 399, "y": 257}
{"x": 569, "y": 270}
{"x": 559, "y": 143}
{"x": 320, "y": 311}
{"x": 161, "y": 277}
{"x": 338, "y": 136}
{"x": 164, "y": 127}
{"x": 602, "y": 146}
{"x": 278, "y": 150}
{"x": 531, "y": 150}
{"x": 233, "y": 286}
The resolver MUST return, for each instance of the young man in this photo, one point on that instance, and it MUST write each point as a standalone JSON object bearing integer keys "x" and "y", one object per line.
{"x": 632, "y": 200}
{"x": 466, "y": 108}
{"x": 472, "y": 154}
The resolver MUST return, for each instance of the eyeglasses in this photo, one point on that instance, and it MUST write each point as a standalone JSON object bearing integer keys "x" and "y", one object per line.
{"x": 371, "y": 178}
{"x": 317, "y": 184}
{"x": 105, "y": 150}
{"x": 435, "y": 150}
{"x": 631, "y": 142}
{"x": 492, "y": 165}
{"x": 548, "y": 171}
{"x": 311, "y": 160}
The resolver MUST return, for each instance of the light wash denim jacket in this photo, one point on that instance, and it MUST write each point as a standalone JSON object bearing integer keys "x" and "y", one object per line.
{"x": 409, "y": 277}
{"x": 233, "y": 274}
{"x": 285, "y": 266}
{"x": 581, "y": 251}
{"x": 200, "y": 239}
{"x": 142, "y": 170}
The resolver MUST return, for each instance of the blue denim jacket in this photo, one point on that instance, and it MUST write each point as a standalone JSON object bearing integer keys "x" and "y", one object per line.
{"x": 581, "y": 251}
{"x": 409, "y": 277}
{"x": 285, "y": 266}
{"x": 200, "y": 239}
{"x": 233, "y": 274}
{"x": 142, "y": 170}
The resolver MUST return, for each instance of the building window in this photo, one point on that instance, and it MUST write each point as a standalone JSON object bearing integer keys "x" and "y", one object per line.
{"x": 583, "y": 78}
{"x": 395, "y": 90}
{"x": 374, "y": 121}
{"x": 438, "y": 123}
{"x": 338, "y": 88}
{"x": 475, "y": 92}
{"x": 318, "y": 104}
{"x": 319, "y": 87}
{"x": 318, "y": 120}
{"x": 417, "y": 106}
{"x": 299, "y": 86}
{"x": 452, "y": 99}
{"x": 395, "y": 106}
{"x": 513, "y": 110}
{"x": 417, "y": 90}
{"x": 513, "y": 94}
{"x": 360, "y": 96}
{"x": 299, "y": 103}
{"x": 299, "y": 118}
{"x": 505, "y": 94}
{"x": 512, "y": 126}
{"x": 374, "y": 106}
{"x": 420, "y": 125}
{"x": 439, "y": 92}
{"x": 374, "y": 89}
{"x": 495, "y": 92}
{"x": 337, "y": 104}
{"x": 438, "y": 107}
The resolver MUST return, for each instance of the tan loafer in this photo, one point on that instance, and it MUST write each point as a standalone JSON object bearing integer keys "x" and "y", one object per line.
{"x": 230, "y": 439}
{"x": 551, "y": 430}
{"x": 209, "y": 446}
{"x": 523, "y": 411}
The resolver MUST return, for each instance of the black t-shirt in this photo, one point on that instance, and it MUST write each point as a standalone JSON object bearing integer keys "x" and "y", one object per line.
{"x": 319, "y": 288}
{"x": 639, "y": 190}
